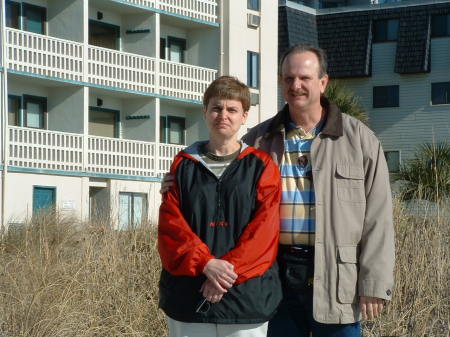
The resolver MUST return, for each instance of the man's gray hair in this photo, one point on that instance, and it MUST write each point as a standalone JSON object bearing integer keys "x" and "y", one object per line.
{"x": 301, "y": 48}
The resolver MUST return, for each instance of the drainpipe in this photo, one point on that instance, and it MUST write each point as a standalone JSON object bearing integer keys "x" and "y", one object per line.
{"x": 4, "y": 120}
{"x": 221, "y": 66}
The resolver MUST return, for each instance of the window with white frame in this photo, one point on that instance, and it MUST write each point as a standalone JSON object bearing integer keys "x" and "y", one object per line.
{"x": 252, "y": 69}
{"x": 132, "y": 210}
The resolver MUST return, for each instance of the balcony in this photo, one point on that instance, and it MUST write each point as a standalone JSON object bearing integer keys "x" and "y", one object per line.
{"x": 90, "y": 155}
{"x": 204, "y": 10}
{"x": 52, "y": 57}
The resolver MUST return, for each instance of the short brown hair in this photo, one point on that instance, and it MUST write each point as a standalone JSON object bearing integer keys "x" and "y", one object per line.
{"x": 301, "y": 48}
{"x": 228, "y": 87}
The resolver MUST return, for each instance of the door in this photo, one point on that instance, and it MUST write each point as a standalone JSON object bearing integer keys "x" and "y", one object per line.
{"x": 103, "y": 122}
{"x": 43, "y": 198}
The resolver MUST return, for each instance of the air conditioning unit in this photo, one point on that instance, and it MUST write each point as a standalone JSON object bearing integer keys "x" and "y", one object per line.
{"x": 253, "y": 20}
{"x": 254, "y": 98}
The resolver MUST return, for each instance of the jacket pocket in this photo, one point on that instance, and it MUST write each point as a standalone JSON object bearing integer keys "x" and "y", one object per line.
{"x": 350, "y": 183}
{"x": 347, "y": 274}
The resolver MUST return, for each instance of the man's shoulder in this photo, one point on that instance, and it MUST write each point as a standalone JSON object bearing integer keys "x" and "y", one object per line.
{"x": 257, "y": 131}
{"x": 352, "y": 124}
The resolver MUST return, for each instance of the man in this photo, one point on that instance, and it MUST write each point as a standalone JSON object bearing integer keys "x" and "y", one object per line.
{"x": 336, "y": 252}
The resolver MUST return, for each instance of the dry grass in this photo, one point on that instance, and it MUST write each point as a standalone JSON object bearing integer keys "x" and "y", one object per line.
{"x": 61, "y": 279}
{"x": 58, "y": 279}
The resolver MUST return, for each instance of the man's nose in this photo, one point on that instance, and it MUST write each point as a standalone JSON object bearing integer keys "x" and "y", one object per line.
{"x": 296, "y": 84}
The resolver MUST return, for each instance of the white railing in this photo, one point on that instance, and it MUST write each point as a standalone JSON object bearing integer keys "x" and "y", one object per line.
{"x": 121, "y": 156}
{"x": 146, "y": 3}
{"x": 54, "y": 150}
{"x": 205, "y": 10}
{"x": 44, "y": 55}
{"x": 197, "y": 9}
{"x": 48, "y": 56}
{"x": 166, "y": 154}
{"x": 183, "y": 80}
{"x": 122, "y": 70}
{"x": 44, "y": 149}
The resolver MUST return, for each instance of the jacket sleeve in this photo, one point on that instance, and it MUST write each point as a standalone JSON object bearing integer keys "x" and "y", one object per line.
{"x": 377, "y": 255}
{"x": 181, "y": 251}
{"x": 256, "y": 249}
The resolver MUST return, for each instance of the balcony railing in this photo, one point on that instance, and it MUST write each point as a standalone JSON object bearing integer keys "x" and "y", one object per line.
{"x": 52, "y": 57}
{"x": 44, "y": 55}
{"x": 205, "y": 10}
{"x": 41, "y": 149}
{"x": 197, "y": 9}
{"x": 122, "y": 70}
{"x": 184, "y": 81}
{"x": 53, "y": 150}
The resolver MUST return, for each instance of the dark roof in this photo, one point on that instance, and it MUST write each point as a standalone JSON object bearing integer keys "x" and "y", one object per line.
{"x": 347, "y": 36}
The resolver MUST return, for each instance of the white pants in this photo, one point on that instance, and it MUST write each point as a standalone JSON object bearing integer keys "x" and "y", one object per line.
{"x": 182, "y": 329}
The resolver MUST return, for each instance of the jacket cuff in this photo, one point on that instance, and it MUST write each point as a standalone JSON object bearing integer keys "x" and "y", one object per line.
{"x": 202, "y": 263}
{"x": 374, "y": 288}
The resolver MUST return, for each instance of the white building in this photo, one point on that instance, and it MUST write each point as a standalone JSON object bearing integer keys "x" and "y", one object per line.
{"x": 99, "y": 95}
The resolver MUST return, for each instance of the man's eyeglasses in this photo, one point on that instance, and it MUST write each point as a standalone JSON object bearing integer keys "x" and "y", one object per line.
{"x": 203, "y": 306}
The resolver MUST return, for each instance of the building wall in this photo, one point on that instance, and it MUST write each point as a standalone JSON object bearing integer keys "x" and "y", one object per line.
{"x": 415, "y": 121}
{"x": 139, "y": 43}
{"x": 139, "y": 129}
{"x": 69, "y": 194}
{"x": 65, "y": 19}
{"x": 65, "y": 109}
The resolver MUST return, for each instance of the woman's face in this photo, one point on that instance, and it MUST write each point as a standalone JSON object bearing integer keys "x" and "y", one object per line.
{"x": 224, "y": 117}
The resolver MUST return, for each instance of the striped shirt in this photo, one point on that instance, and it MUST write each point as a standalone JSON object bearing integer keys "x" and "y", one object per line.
{"x": 216, "y": 164}
{"x": 298, "y": 223}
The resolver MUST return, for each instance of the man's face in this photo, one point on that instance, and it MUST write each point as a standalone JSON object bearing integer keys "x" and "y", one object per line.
{"x": 224, "y": 117}
{"x": 300, "y": 80}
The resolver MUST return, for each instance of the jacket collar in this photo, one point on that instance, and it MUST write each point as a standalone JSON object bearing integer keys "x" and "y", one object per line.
{"x": 332, "y": 127}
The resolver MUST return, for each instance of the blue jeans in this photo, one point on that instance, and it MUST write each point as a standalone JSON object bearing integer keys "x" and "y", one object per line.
{"x": 294, "y": 317}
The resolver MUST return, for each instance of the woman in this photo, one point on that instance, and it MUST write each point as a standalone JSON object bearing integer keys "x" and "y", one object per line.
{"x": 219, "y": 226}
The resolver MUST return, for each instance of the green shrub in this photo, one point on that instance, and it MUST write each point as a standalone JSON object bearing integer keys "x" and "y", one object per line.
{"x": 346, "y": 101}
{"x": 428, "y": 174}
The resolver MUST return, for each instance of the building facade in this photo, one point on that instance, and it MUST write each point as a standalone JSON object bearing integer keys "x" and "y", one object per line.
{"x": 394, "y": 55}
{"x": 99, "y": 95}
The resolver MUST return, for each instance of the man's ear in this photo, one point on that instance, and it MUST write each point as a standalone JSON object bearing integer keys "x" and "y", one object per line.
{"x": 324, "y": 82}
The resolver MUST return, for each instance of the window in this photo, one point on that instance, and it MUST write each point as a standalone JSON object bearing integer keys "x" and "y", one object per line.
{"x": 34, "y": 18}
{"x": 253, "y": 4}
{"x": 386, "y": 96}
{"x": 103, "y": 122}
{"x": 162, "y": 48}
{"x": 392, "y": 160}
{"x": 440, "y": 25}
{"x": 172, "y": 130}
{"x": 132, "y": 210}
{"x": 252, "y": 69}
{"x": 14, "y": 110}
{"x": 35, "y": 111}
{"x": 177, "y": 48}
{"x": 43, "y": 198}
{"x": 385, "y": 30}
{"x": 104, "y": 35}
{"x": 13, "y": 14}
{"x": 440, "y": 93}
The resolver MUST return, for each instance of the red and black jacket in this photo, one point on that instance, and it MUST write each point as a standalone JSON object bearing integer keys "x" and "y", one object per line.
{"x": 234, "y": 218}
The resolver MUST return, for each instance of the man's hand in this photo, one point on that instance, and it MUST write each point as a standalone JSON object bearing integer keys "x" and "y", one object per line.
{"x": 220, "y": 273}
{"x": 167, "y": 183}
{"x": 210, "y": 292}
{"x": 371, "y": 307}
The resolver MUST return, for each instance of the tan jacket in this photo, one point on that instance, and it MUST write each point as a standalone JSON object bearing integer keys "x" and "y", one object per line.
{"x": 354, "y": 247}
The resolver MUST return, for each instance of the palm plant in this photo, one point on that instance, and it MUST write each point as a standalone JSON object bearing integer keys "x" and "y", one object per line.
{"x": 428, "y": 174}
{"x": 346, "y": 100}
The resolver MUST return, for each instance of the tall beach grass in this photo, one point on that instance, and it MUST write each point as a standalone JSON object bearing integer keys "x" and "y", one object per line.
{"x": 61, "y": 278}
